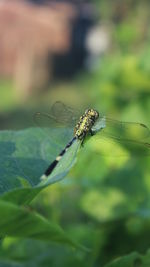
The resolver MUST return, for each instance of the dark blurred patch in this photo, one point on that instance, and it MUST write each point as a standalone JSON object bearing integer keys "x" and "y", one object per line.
{"x": 138, "y": 262}
{"x": 44, "y": 41}
{"x": 73, "y": 60}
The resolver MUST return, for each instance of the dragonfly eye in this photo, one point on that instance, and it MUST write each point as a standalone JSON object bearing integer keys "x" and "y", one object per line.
{"x": 92, "y": 113}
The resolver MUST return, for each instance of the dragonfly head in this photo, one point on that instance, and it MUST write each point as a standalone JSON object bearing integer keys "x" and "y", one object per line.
{"x": 94, "y": 114}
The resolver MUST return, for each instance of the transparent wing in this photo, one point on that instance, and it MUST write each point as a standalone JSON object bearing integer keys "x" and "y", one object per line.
{"x": 126, "y": 131}
{"x": 63, "y": 114}
{"x": 58, "y": 137}
{"x": 132, "y": 137}
{"x": 59, "y": 115}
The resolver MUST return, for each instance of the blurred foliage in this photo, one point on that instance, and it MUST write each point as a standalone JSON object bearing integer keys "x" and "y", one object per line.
{"x": 104, "y": 203}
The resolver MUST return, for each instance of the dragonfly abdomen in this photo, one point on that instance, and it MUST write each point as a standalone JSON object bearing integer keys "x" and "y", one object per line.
{"x": 58, "y": 158}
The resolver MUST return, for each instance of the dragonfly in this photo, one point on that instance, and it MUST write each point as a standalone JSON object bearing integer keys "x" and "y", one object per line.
{"x": 91, "y": 123}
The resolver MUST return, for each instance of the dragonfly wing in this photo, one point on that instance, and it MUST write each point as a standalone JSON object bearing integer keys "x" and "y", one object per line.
{"x": 43, "y": 119}
{"x": 63, "y": 114}
{"x": 60, "y": 115}
{"x": 130, "y": 136}
{"x": 58, "y": 137}
{"x": 131, "y": 131}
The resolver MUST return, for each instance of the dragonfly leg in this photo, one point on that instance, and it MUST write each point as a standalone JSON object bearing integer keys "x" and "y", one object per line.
{"x": 92, "y": 132}
{"x": 82, "y": 141}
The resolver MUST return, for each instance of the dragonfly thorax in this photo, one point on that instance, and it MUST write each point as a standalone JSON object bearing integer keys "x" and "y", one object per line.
{"x": 85, "y": 123}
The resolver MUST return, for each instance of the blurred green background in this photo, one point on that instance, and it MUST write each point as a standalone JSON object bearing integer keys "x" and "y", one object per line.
{"x": 105, "y": 201}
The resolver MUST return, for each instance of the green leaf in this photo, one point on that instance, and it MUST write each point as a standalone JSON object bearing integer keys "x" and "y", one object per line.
{"x": 34, "y": 253}
{"x": 25, "y": 155}
{"x": 22, "y": 222}
{"x": 132, "y": 260}
{"x": 21, "y": 196}
{"x": 64, "y": 165}
{"x": 10, "y": 264}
